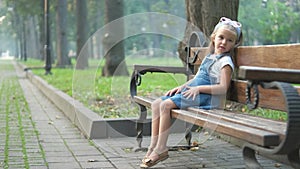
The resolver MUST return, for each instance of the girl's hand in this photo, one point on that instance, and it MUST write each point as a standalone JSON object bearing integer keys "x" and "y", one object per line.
{"x": 176, "y": 90}
{"x": 191, "y": 92}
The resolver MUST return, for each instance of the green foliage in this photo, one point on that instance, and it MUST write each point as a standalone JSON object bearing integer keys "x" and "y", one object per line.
{"x": 275, "y": 23}
{"x": 146, "y": 41}
{"x": 173, "y": 7}
{"x": 25, "y": 7}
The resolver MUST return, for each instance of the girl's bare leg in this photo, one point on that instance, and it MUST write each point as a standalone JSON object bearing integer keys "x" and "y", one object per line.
{"x": 164, "y": 126}
{"x": 155, "y": 107}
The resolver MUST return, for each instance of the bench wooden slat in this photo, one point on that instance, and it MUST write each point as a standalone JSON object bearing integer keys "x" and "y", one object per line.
{"x": 146, "y": 101}
{"x": 268, "y": 98}
{"x": 278, "y": 127}
{"x": 256, "y": 136}
{"x": 269, "y": 74}
{"x": 273, "y": 56}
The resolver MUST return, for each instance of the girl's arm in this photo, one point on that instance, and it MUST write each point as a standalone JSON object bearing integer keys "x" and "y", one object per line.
{"x": 178, "y": 89}
{"x": 217, "y": 89}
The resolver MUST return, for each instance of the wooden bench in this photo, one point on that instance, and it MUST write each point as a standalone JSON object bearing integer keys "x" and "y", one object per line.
{"x": 263, "y": 78}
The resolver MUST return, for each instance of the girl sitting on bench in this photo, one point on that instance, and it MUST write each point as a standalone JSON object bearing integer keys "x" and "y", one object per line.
{"x": 211, "y": 81}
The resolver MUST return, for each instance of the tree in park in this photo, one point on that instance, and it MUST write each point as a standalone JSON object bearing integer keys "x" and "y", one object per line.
{"x": 82, "y": 29}
{"x": 113, "y": 47}
{"x": 61, "y": 33}
{"x": 204, "y": 15}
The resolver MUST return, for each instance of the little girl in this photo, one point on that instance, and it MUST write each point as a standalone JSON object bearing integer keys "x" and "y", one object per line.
{"x": 203, "y": 91}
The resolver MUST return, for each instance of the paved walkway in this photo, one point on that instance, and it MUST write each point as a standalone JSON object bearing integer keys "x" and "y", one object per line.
{"x": 35, "y": 134}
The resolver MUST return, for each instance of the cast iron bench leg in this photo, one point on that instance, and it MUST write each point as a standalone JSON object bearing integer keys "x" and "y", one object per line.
{"x": 188, "y": 133}
{"x": 250, "y": 159}
{"x": 140, "y": 126}
{"x": 294, "y": 158}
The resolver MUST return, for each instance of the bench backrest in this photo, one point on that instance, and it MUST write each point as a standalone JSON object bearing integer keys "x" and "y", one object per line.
{"x": 271, "y": 56}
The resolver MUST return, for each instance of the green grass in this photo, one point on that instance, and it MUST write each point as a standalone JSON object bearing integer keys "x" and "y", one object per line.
{"x": 7, "y": 131}
{"x": 109, "y": 96}
{"x": 21, "y": 130}
{"x": 266, "y": 113}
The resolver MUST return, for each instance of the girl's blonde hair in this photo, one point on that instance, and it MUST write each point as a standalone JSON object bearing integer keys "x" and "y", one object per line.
{"x": 211, "y": 47}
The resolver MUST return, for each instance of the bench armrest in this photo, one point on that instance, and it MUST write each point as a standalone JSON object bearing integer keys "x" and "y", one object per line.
{"x": 143, "y": 69}
{"x": 277, "y": 78}
{"x": 291, "y": 142}
{"x": 139, "y": 70}
{"x": 253, "y": 73}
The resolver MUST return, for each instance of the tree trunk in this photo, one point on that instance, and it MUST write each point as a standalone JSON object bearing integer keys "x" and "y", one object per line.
{"x": 19, "y": 37}
{"x": 37, "y": 45}
{"x": 81, "y": 15}
{"x": 205, "y": 14}
{"x": 41, "y": 31}
{"x": 61, "y": 36}
{"x": 31, "y": 33}
{"x": 23, "y": 42}
{"x": 114, "y": 50}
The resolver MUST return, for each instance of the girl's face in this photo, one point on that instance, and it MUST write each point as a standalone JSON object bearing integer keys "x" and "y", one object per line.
{"x": 224, "y": 40}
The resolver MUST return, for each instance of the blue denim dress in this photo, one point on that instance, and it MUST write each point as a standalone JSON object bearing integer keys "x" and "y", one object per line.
{"x": 204, "y": 101}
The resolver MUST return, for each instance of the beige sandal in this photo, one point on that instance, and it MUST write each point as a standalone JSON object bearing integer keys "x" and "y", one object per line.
{"x": 147, "y": 163}
{"x": 146, "y": 157}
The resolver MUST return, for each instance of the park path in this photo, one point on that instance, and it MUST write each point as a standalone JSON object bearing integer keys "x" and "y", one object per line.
{"x": 34, "y": 133}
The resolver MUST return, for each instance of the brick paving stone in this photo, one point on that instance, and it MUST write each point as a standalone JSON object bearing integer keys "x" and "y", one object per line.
{"x": 98, "y": 165}
{"x": 81, "y": 147}
{"x": 91, "y": 158}
{"x": 84, "y": 152}
{"x": 37, "y": 166}
{"x": 66, "y": 159}
{"x": 64, "y": 165}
